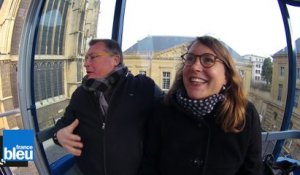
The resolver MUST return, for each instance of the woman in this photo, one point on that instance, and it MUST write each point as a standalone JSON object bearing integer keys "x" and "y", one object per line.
{"x": 206, "y": 126}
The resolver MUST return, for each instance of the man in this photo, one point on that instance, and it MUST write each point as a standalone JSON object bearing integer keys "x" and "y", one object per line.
{"x": 105, "y": 121}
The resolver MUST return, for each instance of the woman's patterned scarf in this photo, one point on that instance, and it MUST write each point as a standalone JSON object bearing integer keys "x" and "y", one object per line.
{"x": 198, "y": 108}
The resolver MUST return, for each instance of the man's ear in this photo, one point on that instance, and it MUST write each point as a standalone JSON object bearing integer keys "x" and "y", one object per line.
{"x": 116, "y": 59}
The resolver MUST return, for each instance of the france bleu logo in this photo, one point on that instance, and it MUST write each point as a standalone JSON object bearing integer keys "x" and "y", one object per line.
{"x": 18, "y": 145}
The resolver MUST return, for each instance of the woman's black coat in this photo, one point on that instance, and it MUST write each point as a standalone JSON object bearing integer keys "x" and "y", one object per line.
{"x": 180, "y": 145}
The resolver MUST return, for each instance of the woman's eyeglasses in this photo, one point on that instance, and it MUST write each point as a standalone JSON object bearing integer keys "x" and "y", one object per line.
{"x": 207, "y": 60}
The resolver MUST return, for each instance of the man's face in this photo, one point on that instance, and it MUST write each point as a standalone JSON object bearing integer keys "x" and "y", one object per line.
{"x": 99, "y": 62}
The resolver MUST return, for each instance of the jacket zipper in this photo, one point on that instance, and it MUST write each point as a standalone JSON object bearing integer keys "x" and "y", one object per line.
{"x": 103, "y": 120}
{"x": 104, "y": 145}
{"x": 104, "y": 148}
{"x": 103, "y": 127}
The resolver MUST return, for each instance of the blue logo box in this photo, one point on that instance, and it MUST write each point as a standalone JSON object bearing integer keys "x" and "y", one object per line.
{"x": 18, "y": 145}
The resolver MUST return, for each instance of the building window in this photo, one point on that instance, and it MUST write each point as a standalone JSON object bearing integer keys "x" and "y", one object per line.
{"x": 48, "y": 79}
{"x": 298, "y": 73}
{"x": 297, "y": 95}
{"x": 280, "y": 86}
{"x": 291, "y": 125}
{"x": 60, "y": 80}
{"x": 52, "y": 27}
{"x": 80, "y": 38}
{"x": 281, "y": 71}
{"x": 79, "y": 71}
{"x": 49, "y": 82}
{"x": 166, "y": 80}
{"x": 242, "y": 73}
{"x": 275, "y": 115}
{"x": 143, "y": 72}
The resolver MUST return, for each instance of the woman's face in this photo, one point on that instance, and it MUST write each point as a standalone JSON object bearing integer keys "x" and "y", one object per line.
{"x": 201, "y": 82}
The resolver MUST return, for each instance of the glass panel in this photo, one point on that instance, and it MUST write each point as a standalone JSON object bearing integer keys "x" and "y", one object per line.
{"x": 106, "y": 18}
{"x": 155, "y": 35}
{"x": 64, "y": 32}
{"x": 12, "y": 19}
{"x": 252, "y": 30}
{"x": 292, "y": 146}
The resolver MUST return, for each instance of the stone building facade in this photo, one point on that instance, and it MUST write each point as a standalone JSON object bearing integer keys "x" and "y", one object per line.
{"x": 64, "y": 31}
{"x": 162, "y": 65}
{"x": 271, "y": 105}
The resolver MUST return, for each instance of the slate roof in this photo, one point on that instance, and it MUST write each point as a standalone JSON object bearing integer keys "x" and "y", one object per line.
{"x": 159, "y": 43}
{"x": 283, "y": 51}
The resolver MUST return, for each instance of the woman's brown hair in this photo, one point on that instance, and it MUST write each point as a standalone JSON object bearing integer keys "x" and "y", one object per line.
{"x": 232, "y": 110}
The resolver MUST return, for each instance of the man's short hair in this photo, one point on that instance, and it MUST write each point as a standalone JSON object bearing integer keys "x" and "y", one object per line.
{"x": 112, "y": 46}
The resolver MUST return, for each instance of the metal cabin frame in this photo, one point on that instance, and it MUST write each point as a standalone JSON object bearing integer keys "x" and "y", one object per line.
{"x": 26, "y": 89}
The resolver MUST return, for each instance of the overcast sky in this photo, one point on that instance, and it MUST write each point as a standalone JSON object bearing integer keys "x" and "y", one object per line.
{"x": 249, "y": 27}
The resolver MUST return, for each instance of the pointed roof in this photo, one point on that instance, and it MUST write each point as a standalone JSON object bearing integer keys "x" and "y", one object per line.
{"x": 233, "y": 53}
{"x": 159, "y": 43}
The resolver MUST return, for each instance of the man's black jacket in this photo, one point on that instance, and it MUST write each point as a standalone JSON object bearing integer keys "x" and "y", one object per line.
{"x": 117, "y": 149}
